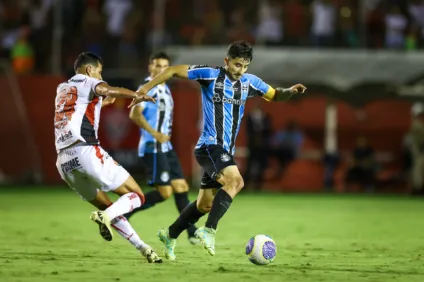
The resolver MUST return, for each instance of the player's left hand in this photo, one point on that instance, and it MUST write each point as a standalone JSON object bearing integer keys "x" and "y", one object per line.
{"x": 142, "y": 98}
{"x": 298, "y": 88}
{"x": 108, "y": 101}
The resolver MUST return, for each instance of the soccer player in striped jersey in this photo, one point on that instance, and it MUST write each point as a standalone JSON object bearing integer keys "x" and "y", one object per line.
{"x": 81, "y": 161}
{"x": 155, "y": 148}
{"x": 225, "y": 91}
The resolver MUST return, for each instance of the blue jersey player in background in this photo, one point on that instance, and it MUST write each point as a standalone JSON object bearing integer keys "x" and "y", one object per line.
{"x": 225, "y": 91}
{"x": 155, "y": 148}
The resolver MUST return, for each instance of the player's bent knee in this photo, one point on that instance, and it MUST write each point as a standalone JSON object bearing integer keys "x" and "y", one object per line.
{"x": 180, "y": 186}
{"x": 165, "y": 191}
{"x": 234, "y": 181}
{"x": 234, "y": 185}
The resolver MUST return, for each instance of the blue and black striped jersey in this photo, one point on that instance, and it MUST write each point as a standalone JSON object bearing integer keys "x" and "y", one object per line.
{"x": 223, "y": 103}
{"x": 159, "y": 116}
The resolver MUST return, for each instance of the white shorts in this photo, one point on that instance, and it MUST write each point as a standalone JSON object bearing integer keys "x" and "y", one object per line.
{"x": 86, "y": 169}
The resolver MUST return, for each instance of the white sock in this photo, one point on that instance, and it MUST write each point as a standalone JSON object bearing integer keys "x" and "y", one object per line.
{"x": 123, "y": 227}
{"x": 123, "y": 205}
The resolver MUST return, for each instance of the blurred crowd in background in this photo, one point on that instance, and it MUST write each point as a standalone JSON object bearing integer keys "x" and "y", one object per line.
{"x": 124, "y": 32}
{"x": 45, "y": 37}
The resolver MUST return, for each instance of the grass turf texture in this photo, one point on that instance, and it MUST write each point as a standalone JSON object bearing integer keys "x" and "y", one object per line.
{"x": 46, "y": 235}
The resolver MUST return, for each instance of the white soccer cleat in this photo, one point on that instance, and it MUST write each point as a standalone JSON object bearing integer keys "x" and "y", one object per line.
{"x": 207, "y": 238}
{"x": 150, "y": 255}
{"x": 169, "y": 243}
{"x": 105, "y": 228}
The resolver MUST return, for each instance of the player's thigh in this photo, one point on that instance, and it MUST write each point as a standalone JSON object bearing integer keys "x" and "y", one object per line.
{"x": 129, "y": 186}
{"x": 72, "y": 166}
{"x": 212, "y": 159}
{"x": 158, "y": 169}
{"x": 231, "y": 180}
{"x": 108, "y": 175}
{"x": 221, "y": 167}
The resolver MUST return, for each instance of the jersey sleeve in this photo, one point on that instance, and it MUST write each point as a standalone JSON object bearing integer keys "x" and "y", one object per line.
{"x": 257, "y": 87}
{"x": 202, "y": 73}
{"x": 93, "y": 82}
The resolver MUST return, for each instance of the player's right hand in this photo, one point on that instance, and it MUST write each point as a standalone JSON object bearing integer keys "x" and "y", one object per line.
{"x": 142, "y": 98}
{"x": 162, "y": 138}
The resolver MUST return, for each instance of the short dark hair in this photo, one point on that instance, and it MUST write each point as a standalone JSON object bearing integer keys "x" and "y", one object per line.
{"x": 87, "y": 58}
{"x": 240, "y": 49}
{"x": 159, "y": 55}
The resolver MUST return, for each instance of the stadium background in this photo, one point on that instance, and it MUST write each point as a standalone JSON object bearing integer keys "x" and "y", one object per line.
{"x": 363, "y": 64}
{"x": 361, "y": 73}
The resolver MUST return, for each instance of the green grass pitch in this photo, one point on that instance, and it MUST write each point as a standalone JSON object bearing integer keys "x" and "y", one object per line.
{"x": 46, "y": 235}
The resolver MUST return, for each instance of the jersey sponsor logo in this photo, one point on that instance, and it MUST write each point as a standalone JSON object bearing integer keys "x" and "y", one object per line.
{"x": 217, "y": 99}
{"x": 225, "y": 157}
{"x": 64, "y": 137}
{"x": 78, "y": 80}
{"x": 71, "y": 165}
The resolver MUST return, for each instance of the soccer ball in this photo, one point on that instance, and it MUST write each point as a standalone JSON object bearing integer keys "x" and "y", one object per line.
{"x": 261, "y": 249}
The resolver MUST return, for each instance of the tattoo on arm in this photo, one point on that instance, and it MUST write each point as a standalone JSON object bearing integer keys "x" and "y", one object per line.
{"x": 282, "y": 94}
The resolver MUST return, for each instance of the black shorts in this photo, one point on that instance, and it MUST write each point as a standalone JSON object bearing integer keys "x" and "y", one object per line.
{"x": 162, "y": 167}
{"x": 213, "y": 159}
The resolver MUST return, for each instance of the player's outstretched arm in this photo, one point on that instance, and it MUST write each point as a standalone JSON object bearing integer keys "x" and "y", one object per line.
{"x": 180, "y": 71}
{"x": 104, "y": 89}
{"x": 282, "y": 94}
{"x": 138, "y": 118}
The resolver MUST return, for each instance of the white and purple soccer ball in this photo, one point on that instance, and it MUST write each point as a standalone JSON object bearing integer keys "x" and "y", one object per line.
{"x": 261, "y": 249}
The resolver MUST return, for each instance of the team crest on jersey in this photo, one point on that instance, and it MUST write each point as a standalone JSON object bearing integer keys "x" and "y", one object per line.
{"x": 225, "y": 157}
{"x": 244, "y": 87}
{"x": 164, "y": 176}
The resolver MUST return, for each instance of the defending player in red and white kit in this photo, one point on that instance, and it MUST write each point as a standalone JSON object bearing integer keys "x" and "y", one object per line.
{"x": 83, "y": 164}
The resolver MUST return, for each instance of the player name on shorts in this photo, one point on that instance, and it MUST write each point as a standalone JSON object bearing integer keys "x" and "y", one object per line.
{"x": 71, "y": 165}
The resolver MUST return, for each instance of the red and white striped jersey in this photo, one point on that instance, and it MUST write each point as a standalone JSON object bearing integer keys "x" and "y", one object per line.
{"x": 77, "y": 113}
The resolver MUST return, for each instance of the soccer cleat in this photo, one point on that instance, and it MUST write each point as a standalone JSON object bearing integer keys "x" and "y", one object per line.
{"x": 151, "y": 256}
{"x": 207, "y": 238}
{"x": 194, "y": 240}
{"x": 169, "y": 243}
{"x": 103, "y": 221}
